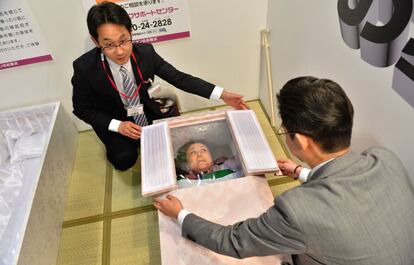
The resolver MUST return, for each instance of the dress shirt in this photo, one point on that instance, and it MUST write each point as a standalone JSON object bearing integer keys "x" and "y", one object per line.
{"x": 303, "y": 175}
{"x": 116, "y": 73}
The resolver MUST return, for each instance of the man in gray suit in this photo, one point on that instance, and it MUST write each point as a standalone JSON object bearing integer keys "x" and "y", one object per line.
{"x": 353, "y": 208}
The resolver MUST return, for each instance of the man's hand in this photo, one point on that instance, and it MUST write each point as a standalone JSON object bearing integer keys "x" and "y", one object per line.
{"x": 233, "y": 100}
{"x": 288, "y": 167}
{"x": 130, "y": 129}
{"x": 171, "y": 206}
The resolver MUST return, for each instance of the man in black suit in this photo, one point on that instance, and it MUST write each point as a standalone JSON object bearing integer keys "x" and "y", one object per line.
{"x": 100, "y": 90}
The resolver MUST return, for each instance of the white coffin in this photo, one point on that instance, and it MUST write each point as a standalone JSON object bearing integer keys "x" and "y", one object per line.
{"x": 33, "y": 231}
{"x": 241, "y": 131}
{"x": 224, "y": 202}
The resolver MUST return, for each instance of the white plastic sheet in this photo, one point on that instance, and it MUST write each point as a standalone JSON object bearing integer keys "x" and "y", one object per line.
{"x": 22, "y": 136}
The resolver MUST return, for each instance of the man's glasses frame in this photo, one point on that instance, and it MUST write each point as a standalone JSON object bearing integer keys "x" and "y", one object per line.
{"x": 112, "y": 47}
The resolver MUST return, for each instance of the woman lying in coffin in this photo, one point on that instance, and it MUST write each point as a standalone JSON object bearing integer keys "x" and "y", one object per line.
{"x": 201, "y": 168}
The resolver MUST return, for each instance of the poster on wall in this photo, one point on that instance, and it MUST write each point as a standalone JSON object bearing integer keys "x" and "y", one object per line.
{"x": 20, "y": 39}
{"x": 154, "y": 20}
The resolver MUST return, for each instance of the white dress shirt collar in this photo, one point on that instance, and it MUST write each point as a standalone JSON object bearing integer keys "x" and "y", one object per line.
{"x": 115, "y": 67}
{"x": 313, "y": 170}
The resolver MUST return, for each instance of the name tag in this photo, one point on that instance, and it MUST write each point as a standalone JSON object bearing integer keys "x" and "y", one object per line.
{"x": 135, "y": 110}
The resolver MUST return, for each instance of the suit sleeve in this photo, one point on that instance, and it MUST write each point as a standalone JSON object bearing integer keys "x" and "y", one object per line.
{"x": 83, "y": 99}
{"x": 274, "y": 232}
{"x": 183, "y": 81}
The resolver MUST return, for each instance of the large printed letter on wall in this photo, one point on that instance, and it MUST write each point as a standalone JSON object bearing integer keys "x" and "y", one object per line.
{"x": 383, "y": 26}
{"x": 380, "y": 28}
{"x": 403, "y": 80}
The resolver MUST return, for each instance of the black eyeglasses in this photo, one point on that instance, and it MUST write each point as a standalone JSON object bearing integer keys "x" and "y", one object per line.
{"x": 112, "y": 47}
{"x": 281, "y": 131}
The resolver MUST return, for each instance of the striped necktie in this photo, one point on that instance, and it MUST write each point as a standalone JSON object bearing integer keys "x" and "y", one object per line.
{"x": 129, "y": 89}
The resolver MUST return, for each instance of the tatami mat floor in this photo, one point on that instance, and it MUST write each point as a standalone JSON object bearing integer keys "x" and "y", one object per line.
{"x": 108, "y": 222}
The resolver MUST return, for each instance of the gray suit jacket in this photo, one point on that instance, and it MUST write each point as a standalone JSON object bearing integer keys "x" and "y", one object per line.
{"x": 356, "y": 209}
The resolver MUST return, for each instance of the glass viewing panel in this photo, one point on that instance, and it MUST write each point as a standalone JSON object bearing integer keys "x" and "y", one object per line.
{"x": 204, "y": 153}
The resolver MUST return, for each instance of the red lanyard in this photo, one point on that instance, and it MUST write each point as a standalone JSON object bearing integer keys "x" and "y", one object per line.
{"x": 113, "y": 82}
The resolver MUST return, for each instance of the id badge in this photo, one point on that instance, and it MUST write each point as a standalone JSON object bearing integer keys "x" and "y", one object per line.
{"x": 135, "y": 110}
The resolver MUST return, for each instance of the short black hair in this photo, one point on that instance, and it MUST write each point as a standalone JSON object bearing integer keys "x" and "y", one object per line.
{"x": 104, "y": 13}
{"x": 318, "y": 108}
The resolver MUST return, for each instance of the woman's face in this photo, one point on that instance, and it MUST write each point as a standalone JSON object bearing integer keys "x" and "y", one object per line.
{"x": 198, "y": 157}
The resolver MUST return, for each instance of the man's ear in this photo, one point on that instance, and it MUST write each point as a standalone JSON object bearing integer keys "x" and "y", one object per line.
{"x": 95, "y": 41}
{"x": 302, "y": 141}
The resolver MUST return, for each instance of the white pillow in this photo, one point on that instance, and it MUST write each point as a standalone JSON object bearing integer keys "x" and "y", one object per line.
{"x": 28, "y": 147}
{"x": 11, "y": 138}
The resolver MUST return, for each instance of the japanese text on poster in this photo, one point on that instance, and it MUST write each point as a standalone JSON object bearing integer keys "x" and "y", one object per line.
{"x": 154, "y": 20}
{"x": 20, "y": 42}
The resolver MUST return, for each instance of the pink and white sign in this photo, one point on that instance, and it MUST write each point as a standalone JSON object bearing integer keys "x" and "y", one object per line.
{"x": 154, "y": 20}
{"x": 20, "y": 39}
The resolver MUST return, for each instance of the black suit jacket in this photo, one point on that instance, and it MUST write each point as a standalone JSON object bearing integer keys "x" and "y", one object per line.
{"x": 95, "y": 100}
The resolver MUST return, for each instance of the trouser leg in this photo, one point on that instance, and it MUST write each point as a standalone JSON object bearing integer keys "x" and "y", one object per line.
{"x": 121, "y": 151}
